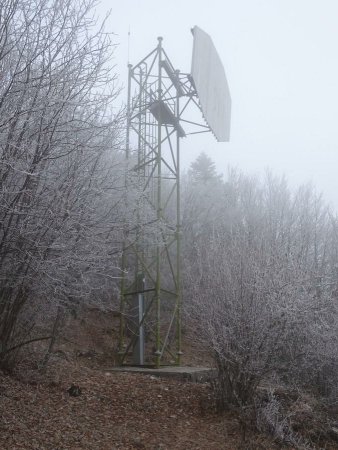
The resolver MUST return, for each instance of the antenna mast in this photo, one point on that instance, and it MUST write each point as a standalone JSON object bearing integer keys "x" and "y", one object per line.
{"x": 159, "y": 98}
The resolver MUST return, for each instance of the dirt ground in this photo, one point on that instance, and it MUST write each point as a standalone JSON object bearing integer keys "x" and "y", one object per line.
{"x": 113, "y": 410}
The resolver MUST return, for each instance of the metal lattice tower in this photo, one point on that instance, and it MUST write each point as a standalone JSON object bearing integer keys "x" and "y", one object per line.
{"x": 159, "y": 97}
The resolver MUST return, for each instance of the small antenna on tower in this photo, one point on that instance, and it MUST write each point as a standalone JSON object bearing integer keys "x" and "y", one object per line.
{"x": 128, "y": 44}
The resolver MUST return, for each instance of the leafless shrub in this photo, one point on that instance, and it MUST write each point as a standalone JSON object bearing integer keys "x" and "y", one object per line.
{"x": 261, "y": 291}
{"x": 271, "y": 420}
{"x": 60, "y": 168}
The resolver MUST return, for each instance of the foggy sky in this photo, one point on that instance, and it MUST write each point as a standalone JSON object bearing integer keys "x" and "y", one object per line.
{"x": 280, "y": 57}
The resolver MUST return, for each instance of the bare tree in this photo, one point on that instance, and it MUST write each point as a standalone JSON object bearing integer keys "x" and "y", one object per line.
{"x": 261, "y": 288}
{"x": 60, "y": 167}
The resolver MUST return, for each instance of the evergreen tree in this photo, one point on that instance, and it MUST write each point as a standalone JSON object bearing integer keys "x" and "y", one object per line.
{"x": 203, "y": 170}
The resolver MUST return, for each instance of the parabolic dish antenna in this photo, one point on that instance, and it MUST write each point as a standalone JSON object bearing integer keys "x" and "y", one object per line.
{"x": 209, "y": 78}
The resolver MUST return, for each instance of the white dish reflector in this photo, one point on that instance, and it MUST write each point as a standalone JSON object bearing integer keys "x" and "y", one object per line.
{"x": 211, "y": 85}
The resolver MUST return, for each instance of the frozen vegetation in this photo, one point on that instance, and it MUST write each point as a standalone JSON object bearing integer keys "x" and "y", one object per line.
{"x": 260, "y": 261}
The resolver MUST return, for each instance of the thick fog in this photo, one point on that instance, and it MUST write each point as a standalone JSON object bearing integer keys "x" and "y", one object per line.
{"x": 107, "y": 260}
{"x": 282, "y": 70}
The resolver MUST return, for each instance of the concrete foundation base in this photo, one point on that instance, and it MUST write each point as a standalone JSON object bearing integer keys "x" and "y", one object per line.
{"x": 194, "y": 374}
